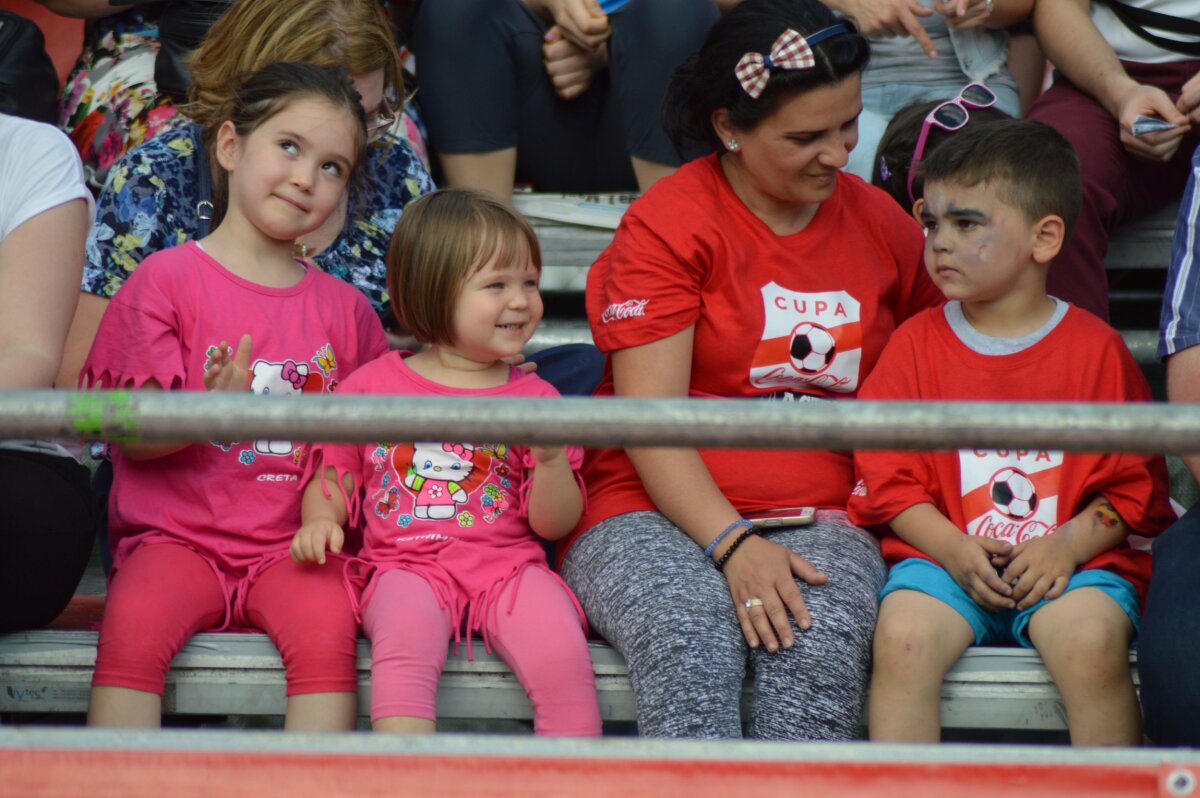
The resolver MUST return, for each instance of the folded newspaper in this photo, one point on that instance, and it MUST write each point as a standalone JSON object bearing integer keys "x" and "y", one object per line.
{"x": 588, "y": 210}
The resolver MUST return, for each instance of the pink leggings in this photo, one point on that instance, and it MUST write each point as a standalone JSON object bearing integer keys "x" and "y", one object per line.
{"x": 541, "y": 641}
{"x": 165, "y": 593}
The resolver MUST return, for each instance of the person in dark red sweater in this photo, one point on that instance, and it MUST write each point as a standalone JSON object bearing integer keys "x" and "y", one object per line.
{"x": 991, "y": 545}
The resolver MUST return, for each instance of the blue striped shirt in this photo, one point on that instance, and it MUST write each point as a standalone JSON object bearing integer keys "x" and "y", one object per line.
{"x": 1179, "y": 324}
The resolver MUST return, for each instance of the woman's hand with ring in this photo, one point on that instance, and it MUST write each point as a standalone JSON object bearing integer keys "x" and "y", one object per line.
{"x": 762, "y": 579}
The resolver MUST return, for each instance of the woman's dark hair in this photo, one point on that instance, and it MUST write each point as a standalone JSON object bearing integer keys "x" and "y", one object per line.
{"x": 707, "y": 80}
{"x": 893, "y": 157}
{"x": 262, "y": 94}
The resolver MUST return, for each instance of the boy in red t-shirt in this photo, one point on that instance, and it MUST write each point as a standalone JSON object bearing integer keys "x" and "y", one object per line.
{"x": 1007, "y": 545}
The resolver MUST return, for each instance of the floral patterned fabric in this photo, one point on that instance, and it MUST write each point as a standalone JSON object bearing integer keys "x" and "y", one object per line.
{"x": 109, "y": 102}
{"x": 149, "y": 204}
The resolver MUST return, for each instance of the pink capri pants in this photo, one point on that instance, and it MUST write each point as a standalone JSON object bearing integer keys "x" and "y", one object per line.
{"x": 165, "y": 593}
{"x": 541, "y": 640}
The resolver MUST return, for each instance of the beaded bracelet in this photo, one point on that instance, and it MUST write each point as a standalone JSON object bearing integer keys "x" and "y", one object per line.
{"x": 708, "y": 550}
{"x": 739, "y": 540}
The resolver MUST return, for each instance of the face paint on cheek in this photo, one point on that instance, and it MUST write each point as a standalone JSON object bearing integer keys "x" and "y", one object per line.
{"x": 983, "y": 253}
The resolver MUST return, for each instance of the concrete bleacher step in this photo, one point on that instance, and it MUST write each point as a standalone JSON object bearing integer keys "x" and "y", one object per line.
{"x": 1145, "y": 244}
{"x": 569, "y": 249}
{"x": 242, "y": 674}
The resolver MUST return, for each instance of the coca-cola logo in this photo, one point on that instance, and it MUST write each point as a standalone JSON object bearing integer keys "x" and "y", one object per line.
{"x": 630, "y": 308}
{"x": 1013, "y": 531}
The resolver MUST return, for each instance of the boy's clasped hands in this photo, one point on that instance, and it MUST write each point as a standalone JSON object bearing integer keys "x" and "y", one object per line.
{"x": 1000, "y": 576}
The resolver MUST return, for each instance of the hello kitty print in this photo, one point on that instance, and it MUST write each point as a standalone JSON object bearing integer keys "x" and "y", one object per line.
{"x": 437, "y": 481}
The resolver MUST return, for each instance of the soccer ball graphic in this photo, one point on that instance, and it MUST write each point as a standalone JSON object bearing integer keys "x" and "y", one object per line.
{"x": 1013, "y": 493}
{"x": 813, "y": 348}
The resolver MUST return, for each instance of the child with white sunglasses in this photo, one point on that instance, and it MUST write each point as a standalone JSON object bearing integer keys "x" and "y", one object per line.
{"x": 917, "y": 129}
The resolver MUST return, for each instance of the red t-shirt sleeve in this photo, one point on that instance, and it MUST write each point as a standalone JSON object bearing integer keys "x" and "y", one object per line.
{"x": 1137, "y": 484}
{"x": 889, "y": 482}
{"x": 648, "y": 284}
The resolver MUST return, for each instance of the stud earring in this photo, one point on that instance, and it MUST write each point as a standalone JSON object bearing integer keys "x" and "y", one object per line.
{"x": 733, "y": 145}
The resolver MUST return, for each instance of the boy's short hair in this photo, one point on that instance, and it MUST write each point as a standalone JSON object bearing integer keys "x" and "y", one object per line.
{"x": 1032, "y": 167}
{"x": 441, "y": 240}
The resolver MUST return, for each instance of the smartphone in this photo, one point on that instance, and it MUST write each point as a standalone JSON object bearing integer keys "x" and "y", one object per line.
{"x": 784, "y": 516}
{"x": 1150, "y": 124}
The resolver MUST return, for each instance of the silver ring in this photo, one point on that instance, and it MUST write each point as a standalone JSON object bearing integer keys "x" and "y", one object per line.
{"x": 752, "y": 602}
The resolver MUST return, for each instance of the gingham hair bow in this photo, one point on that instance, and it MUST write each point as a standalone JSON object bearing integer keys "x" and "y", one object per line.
{"x": 790, "y": 51}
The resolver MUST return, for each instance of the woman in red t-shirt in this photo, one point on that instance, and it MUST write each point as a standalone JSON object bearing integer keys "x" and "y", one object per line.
{"x": 758, "y": 271}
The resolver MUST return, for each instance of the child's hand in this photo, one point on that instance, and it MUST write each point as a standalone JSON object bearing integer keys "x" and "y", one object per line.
{"x": 569, "y": 66}
{"x": 544, "y": 455}
{"x": 1040, "y": 569}
{"x": 519, "y": 360}
{"x": 311, "y": 541}
{"x": 969, "y": 561}
{"x": 581, "y": 21}
{"x": 555, "y": 499}
{"x": 227, "y": 370}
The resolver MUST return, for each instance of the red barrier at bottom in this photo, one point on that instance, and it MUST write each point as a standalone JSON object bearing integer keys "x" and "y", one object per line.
{"x": 98, "y": 773}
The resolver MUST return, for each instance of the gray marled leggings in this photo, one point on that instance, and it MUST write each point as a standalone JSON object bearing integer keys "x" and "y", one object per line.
{"x": 649, "y": 589}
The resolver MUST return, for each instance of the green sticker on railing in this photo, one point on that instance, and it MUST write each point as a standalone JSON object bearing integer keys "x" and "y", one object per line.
{"x": 106, "y": 415}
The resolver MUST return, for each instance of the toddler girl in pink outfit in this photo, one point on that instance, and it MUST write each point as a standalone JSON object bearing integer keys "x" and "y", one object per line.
{"x": 201, "y": 531}
{"x": 450, "y": 529}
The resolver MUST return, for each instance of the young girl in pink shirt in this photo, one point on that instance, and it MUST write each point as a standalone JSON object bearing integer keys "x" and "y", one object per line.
{"x": 201, "y": 531}
{"x": 450, "y": 529}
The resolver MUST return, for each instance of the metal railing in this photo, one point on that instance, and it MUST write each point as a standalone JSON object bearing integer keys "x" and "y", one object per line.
{"x": 732, "y": 423}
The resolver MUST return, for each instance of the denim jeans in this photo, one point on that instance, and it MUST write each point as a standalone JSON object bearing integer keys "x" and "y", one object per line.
{"x": 1169, "y": 651}
{"x": 573, "y": 369}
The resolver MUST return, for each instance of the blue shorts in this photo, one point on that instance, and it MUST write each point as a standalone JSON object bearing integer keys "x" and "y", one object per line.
{"x": 1005, "y": 626}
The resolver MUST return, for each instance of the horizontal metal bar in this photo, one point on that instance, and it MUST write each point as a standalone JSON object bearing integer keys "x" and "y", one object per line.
{"x": 31, "y": 738}
{"x": 727, "y": 423}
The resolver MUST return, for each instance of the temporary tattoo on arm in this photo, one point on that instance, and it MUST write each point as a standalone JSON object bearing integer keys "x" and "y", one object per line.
{"x": 1106, "y": 515}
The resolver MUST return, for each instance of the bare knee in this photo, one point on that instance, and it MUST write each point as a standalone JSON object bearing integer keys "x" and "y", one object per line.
{"x": 908, "y": 644}
{"x": 1089, "y": 649}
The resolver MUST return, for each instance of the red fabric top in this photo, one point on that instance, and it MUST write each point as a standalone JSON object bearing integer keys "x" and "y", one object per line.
{"x": 803, "y": 316}
{"x": 1082, "y": 359}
